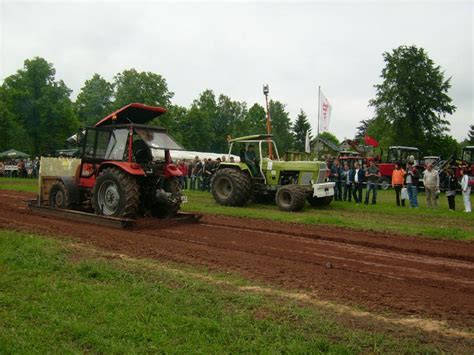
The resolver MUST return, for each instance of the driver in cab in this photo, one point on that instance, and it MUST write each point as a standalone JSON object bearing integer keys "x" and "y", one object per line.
{"x": 251, "y": 159}
{"x": 141, "y": 149}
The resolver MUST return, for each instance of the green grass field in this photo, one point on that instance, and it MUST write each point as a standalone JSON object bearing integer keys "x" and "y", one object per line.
{"x": 60, "y": 297}
{"x": 385, "y": 216}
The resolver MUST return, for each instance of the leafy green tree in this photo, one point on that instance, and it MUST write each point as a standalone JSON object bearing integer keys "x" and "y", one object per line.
{"x": 445, "y": 146}
{"x": 173, "y": 121}
{"x": 254, "y": 122}
{"x": 226, "y": 121}
{"x": 281, "y": 126}
{"x": 12, "y": 134}
{"x": 196, "y": 125}
{"x": 40, "y": 104}
{"x": 412, "y": 98}
{"x": 329, "y": 137}
{"x": 143, "y": 87}
{"x": 94, "y": 101}
{"x": 300, "y": 127}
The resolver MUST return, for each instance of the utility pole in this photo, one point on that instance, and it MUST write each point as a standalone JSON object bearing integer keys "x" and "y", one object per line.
{"x": 318, "y": 142}
{"x": 266, "y": 90}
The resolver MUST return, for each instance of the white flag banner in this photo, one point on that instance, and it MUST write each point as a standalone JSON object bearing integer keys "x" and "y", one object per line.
{"x": 325, "y": 113}
{"x": 307, "y": 147}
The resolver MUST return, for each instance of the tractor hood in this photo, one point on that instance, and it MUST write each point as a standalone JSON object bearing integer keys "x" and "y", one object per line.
{"x": 293, "y": 165}
{"x": 132, "y": 113}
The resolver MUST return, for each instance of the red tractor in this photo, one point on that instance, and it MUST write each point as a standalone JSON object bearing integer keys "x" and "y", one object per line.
{"x": 397, "y": 154}
{"x": 123, "y": 170}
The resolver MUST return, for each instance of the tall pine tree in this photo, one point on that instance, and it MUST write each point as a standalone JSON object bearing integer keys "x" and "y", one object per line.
{"x": 300, "y": 127}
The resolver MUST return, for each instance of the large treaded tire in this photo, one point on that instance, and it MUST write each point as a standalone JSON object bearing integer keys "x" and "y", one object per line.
{"x": 290, "y": 198}
{"x": 59, "y": 196}
{"x": 319, "y": 201}
{"x": 168, "y": 210}
{"x": 127, "y": 197}
{"x": 231, "y": 187}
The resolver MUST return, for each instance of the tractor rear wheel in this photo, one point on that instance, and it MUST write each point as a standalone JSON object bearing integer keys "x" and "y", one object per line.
{"x": 231, "y": 187}
{"x": 290, "y": 198}
{"x": 167, "y": 210}
{"x": 59, "y": 196}
{"x": 319, "y": 201}
{"x": 116, "y": 194}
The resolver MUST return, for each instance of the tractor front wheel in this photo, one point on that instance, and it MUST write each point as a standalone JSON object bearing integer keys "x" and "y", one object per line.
{"x": 59, "y": 196}
{"x": 231, "y": 187}
{"x": 116, "y": 194}
{"x": 290, "y": 198}
{"x": 319, "y": 201}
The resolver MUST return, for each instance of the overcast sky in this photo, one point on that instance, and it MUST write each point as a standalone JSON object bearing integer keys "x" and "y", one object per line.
{"x": 233, "y": 48}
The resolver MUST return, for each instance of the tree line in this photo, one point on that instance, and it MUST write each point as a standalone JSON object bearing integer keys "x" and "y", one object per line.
{"x": 37, "y": 113}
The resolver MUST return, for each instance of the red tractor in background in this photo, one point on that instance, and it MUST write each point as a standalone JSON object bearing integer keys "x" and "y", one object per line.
{"x": 124, "y": 169}
{"x": 397, "y": 154}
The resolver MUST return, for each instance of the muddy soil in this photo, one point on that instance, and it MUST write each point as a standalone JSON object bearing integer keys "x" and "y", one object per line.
{"x": 380, "y": 272}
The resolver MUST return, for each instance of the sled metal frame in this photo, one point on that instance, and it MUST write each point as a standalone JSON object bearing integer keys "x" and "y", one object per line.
{"x": 115, "y": 222}
{"x": 81, "y": 216}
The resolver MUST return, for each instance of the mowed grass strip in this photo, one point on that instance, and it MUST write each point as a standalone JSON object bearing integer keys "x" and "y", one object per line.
{"x": 384, "y": 217}
{"x": 57, "y": 298}
{"x": 17, "y": 184}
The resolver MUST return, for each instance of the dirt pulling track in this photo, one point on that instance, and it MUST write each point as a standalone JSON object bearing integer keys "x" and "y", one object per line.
{"x": 403, "y": 275}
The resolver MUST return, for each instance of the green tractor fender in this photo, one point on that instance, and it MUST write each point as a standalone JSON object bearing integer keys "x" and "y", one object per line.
{"x": 238, "y": 166}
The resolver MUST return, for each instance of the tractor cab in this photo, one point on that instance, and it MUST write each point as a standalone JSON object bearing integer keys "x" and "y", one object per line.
{"x": 397, "y": 154}
{"x": 253, "y": 152}
{"x": 468, "y": 154}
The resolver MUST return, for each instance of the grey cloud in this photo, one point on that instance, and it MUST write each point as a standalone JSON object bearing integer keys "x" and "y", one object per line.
{"x": 234, "y": 48}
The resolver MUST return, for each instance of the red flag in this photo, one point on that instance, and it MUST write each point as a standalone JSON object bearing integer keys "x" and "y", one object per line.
{"x": 370, "y": 141}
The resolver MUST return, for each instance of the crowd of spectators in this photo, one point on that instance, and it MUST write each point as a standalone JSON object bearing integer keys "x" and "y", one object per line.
{"x": 21, "y": 168}
{"x": 406, "y": 180}
{"x": 197, "y": 173}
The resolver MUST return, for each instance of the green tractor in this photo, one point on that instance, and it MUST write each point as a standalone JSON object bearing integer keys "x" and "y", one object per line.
{"x": 259, "y": 178}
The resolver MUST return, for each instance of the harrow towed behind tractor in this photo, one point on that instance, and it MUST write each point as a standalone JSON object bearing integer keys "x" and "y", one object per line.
{"x": 124, "y": 170}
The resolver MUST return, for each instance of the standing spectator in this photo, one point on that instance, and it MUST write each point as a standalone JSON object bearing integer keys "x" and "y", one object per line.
{"x": 372, "y": 174}
{"x": 346, "y": 178}
{"x": 431, "y": 183}
{"x": 451, "y": 184}
{"x": 398, "y": 178}
{"x": 357, "y": 179}
{"x": 412, "y": 179}
{"x": 2, "y": 168}
{"x": 335, "y": 176}
{"x": 197, "y": 174}
{"x": 29, "y": 168}
{"x": 466, "y": 190}
{"x": 182, "y": 166}
{"x": 21, "y": 169}
{"x": 207, "y": 171}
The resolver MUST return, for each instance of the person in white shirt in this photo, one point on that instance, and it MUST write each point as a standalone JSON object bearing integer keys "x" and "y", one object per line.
{"x": 466, "y": 190}
{"x": 431, "y": 183}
